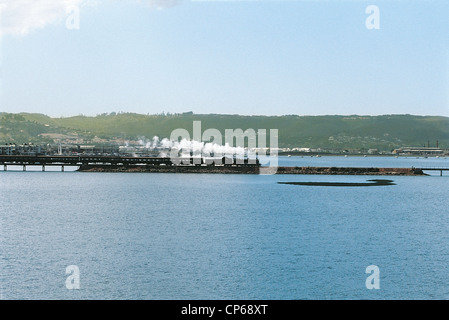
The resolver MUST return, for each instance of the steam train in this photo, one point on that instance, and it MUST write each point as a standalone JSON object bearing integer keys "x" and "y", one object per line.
{"x": 223, "y": 161}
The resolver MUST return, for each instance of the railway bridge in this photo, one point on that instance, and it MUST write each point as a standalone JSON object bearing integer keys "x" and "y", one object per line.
{"x": 116, "y": 161}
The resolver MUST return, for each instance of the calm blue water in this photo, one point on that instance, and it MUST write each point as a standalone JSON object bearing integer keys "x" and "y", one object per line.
{"x": 200, "y": 236}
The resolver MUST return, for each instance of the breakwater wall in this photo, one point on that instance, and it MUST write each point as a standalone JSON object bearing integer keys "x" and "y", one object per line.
{"x": 351, "y": 171}
{"x": 255, "y": 170}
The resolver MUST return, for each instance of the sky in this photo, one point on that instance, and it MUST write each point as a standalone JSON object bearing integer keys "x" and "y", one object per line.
{"x": 302, "y": 57}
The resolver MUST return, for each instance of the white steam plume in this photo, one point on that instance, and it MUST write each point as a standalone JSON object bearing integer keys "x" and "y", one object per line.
{"x": 186, "y": 146}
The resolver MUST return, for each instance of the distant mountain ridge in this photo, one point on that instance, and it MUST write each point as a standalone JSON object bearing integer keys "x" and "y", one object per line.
{"x": 385, "y": 132}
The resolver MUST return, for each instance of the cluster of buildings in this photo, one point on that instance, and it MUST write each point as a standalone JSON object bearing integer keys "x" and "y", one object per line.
{"x": 60, "y": 149}
{"x": 12, "y": 149}
{"x": 421, "y": 151}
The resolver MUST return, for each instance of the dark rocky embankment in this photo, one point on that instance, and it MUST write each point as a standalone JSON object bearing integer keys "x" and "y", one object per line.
{"x": 255, "y": 170}
{"x": 170, "y": 169}
{"x": 351, "y": 171}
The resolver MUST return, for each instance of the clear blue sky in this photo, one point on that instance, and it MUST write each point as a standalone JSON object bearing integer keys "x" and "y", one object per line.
{"x": 230, "y": 57}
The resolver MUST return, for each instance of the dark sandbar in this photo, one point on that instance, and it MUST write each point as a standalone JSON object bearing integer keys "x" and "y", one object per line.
{"x": 370, "y": 183}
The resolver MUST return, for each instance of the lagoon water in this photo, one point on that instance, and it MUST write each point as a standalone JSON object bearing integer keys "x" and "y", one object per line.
{"x": 213, "y": 236}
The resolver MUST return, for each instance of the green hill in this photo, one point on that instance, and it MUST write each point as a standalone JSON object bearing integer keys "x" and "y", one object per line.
{"x": 385, "y": 132}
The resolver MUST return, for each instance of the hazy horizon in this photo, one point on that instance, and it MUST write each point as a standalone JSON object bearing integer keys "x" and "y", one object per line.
{"x": 225, "y": 114}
